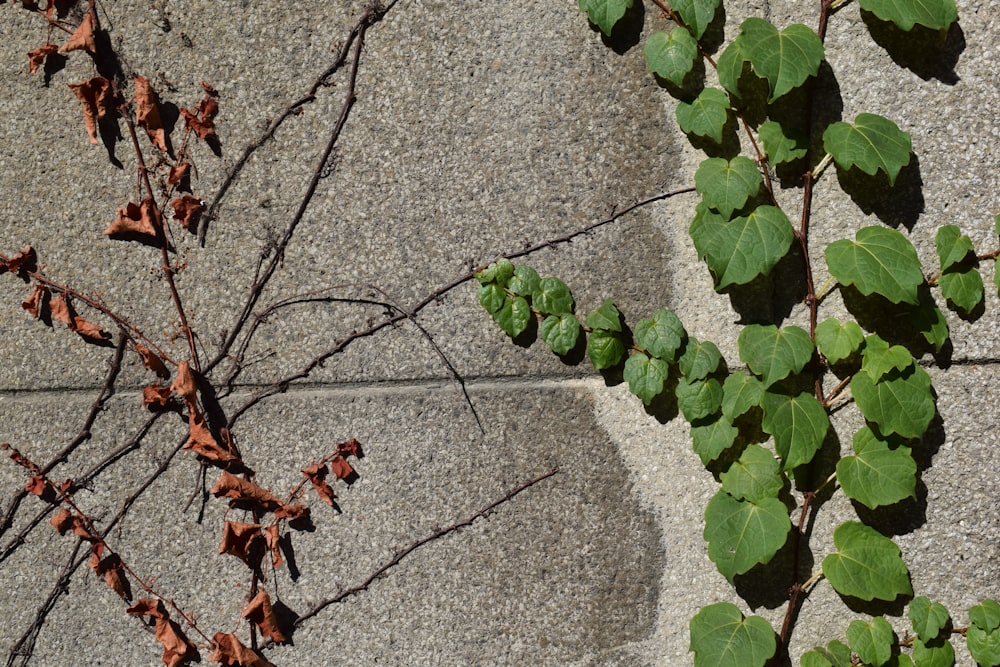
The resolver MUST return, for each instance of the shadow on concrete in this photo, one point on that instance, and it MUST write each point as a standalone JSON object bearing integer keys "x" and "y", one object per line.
{"x": 930, "y": 54}
{"x": 627, "y": 32}
{"x": 896, "y": 205}
{"x": 901, "y": 323}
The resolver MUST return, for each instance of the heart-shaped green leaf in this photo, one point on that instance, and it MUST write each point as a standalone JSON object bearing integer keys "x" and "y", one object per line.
{"x": 873, "y": 642}
{"x": 933, "y": 14}
{"x": 645, "y": 376}
{"x": 706, "y": 115}
{"x": 786, "y": 59}
{"x": 739, "y": 250}
{"x": 552, "y": 297}
{"x": 727, "y": 185}
{"x": 953, "y": 247}
{"x": 560, "y": 332}
{"x": 661, "y": 335}
{"x": 671, "y": 56}
{"x": 963, "y": 288}
{"x": 513, "y": 317}
{"x": 927, "y": 618}
{"x": 696, "y": 14}
{"x": 755, "y": 476}
{"x": 709, "y": 441}
{"x": 881, "y": 261}
{"x": 836, "y": 654}
{"x": 731, "y": 65}
{"x": 798, "y": 424}
{"x": 606, "y": 317}
{"x": 781, "y": 146}
{"x": 742, "y": 534}
{"x": 720, "y": 637}
{"x": 774, "y": 353}
{"x": 604, "y": 13}
{"x": 867, "y": 565}
{"x": 524, "y": 282}
{"x": 870, "y": 144}
{"x": 901, "y": 402}
{"x": 700, "y": 359}
{"x": 740, "y": 393}
{"x": 881, "y": 472}
{"x": 605, "y": 349}
{"x": 837, "y": 341}
{"x": 698, "y": 399}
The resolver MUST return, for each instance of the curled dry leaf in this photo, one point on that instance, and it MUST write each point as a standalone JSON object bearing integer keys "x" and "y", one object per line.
{"x": 33, "y": 303}
{"x": 150, "y": 360}
{"x": 260, "y": 612}
{"x": 135, "y": 219}
{"x": 231, "y": 653}
{"x": 188, "y": 210}
{"x": 350, "y": 448}
{"x": 317, "y": 475}
{"x": 95, "y": 94}
{"x": 155, "y": 396}
{"x": 201, "y": 120}
{"x": 341, "y": 468}
{"x": 147, "y": 113}
{"x": 60, "y": 309}
{"x": 202, "y": 441}
{"x": 291, "y": 512}
{"x": 38, "y": 56}
{"x": 82, "y": 37}
{"x": 272, "y": 538}
{"x": 36, "y": 485}
{"x": 241, "y": 540}
{"x": 176, "y": 647}
{"x": 231, "y": 486}
{"x": 62, "y": 520}
{"x": 89, "y": 331}
{"x": 179, "y": 175}
{"x": 111, "y": 568}
{"x": 184, "y": 384}
{"x": 21, "y": 262}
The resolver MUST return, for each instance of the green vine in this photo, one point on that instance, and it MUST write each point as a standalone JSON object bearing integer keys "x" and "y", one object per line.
{"x": 760, "y": 428}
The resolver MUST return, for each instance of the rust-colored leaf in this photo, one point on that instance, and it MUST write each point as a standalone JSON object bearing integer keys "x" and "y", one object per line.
{"x": 155, "y": 396}
{"x": 33, "y": 304}
{"x": 187, "y": 210}
{"x": 272, "y": 537}
{"x": 21, "y": 262}
{"x": 89, "y": 331}
{"x": 341, "y": 468}
{"x": 111, "y": 568}
{"x": 36, "y": 485}
{"x": 95, "y": 94}
{"x": 176, "y": 647}
{"x": 179, "y": 175}
{"x": 148, "y": 607}
{"x": 231, "y": 653}
{"x": 202, "y": 441}
{"x": 291, "y": 512}
{"x": 62, "y": 520}
{"x": 130, "y": 220}
{"x": 242, "y": 540}
{"x": 147, "y": 113}
{"x": 38, "y": 56}
{"x": 317, "y": 475}
{"x": 231, "y": 486}
{"x": 82, "y": 37}
{"x": 350, "y": 448}
{"x": 184, "y": 384}
{"x": 260, "y": 612}
{"x": 60, "y": 309}
{"x": 201, "y": 120}
{"x": 150, "y": 360}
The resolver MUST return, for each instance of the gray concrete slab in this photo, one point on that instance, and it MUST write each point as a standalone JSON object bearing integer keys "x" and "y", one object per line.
{"x": 479, "y": 128}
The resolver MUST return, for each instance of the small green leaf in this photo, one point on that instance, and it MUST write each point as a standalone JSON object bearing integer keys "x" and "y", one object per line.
{"x": 781, "y": 147}
{"x": 928, "y": 619}
{"x": 963, "y": 288}
{"x": 513, "y": 318}
{"x": 499, "y": 272}
{"x": 740, "y": 393}
{"x": 836, "y": 654}
{"x": 873, "y": 641}
{"x": 881, "y": 472}
{"x": 605, "y": 349}
{"x": 671, "y": 56}
{"x": 986, "y": 615}
{"x": 698, "y": 399}
{"x": 837, "y": 341}
{"x": 739, "y": 250}
{"x": 661, "y": 335}
{"x": 720, "y": 637}
{"x": 552, "y": 297}
{"x": 709, "y": 441}
{"x": 525, "y": 281}
{"x": 696, "y": 14}
{"x": 606, "y": 317}
{"x": 706, "y": 115}
{"x": 774, "y": 353}
{"x": 798, "y": 425}
{"x": 786, "y": 59}
{"x": 645, "y": 376}
{"x": 755, "y": 476}
{"x": 700, "y": 359}
{"x": 930, "y": 322}
{"x": 878, "y": 358}
{"x": 742, "y": 534}
{"x": 560, "y": 332}
{"x": 870, "y": 144}
{"x": 867, "y": 564}
{"x": 604, "y": 13}
{"x": 952, "y": 246}
{"x": 984, "y": 646}
{"x": 901, "y": 402}
{"x": 727, "y": 185}
{"x": 881, "y": 261}
{"x": 933, "y": 14}
{"x": 935, "y": 653}
{"x": 730, "y": 66}
{"x": 492, "y": 297}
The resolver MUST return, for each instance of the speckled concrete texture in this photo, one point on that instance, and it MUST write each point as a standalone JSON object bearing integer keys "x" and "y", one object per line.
{"x": 478, "y": 128}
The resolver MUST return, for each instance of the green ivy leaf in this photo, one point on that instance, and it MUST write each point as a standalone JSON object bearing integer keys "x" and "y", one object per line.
{"x": 781, "y": 147}
{"x": 721, "y": 637}
{"x": 726, "y": 185}
{"x": 786, "y": 59}
{"x": 933, "y": 14}
{"x": 928, "y": 619}
{"x": 730, "y": 66}
{"x": 552, "y": 297}
{"x": 798, "y": 425}
{"x": 867, "y": 564}
{"x": 881, "y": 261}
{"x": 739, "y": 250}
{"x": 873, "y": 641}
{"x": 560, "y": 332}
{"x": 499, "y": 271}
{"x": 983, "y": 636}
{"x": 513, "y": 317}
{"x": 604, "y": 13}
{"x": 661, "y": 335}
{"x": 930, "y": 322}
{"x": 755, "y": 476}
{"x": 878, "y": 358}
{"x": 953, "y": 247}
{"x": 774, "y": 353}
{"x": 899, "y": 403}
{"x": 740, "y": 392}
{"x": 709, "y": 441}
{"x": 645, "y": 376}
{"x": 492, "y": 297}
{"x": 881, "y": 472}
{"x": 837, "y": 341}
{"x": 698, "y": 399}
{"x": 742, "y": 534}
{"x": 700, "y": 359}
{"x": 836, "y": 654}
{"x": 986, "y": 615}
{"x": 525, "y": 281}
{"x": 696, "y": 14}
{"x": 605, "y": 349}
{"x": 671, "y": 56}
{"x": 962, "y": 288}
{"x": 870, "y": 144}
{"x": 606, "y": 317}
{"x": 706, "y": 115}
{"x": 935, "y": 653}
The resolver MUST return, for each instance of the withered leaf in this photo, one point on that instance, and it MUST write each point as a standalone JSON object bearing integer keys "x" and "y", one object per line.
{"x": 202, "y": 441}
{"x": 350, "y": 448}
{"x": 36, "y": 485}
{"x": 187, "y": 210}
{"x": 62, "y": 520}
{"x": 231, "y": 653}
{"x": 148, "y": 607}
{"x": 89, "y": 331}
{"x": 23, "y": 261}
{"x": 95, "y": 94}
{"x": 272, "y": 537}
{"x": 341, "y": 468}
{"x": 179, "y": 173}
{"x": 231, "y": 486}
{"x": 150, "y": 360}
{"x": 155, "y": 396}
{"x": 176, "y": 647}
{"x": 260, "y": 612}
{"x": 291, "y": 512}
{"x": 82, "y": 37}
{"x": 135, "y": 219}
{"x": 184, "y": 384}
{"x": 241, "y": 540}
{"x": 201, "y": 120}
{"x": 33, "y": 303}
{"x": 38, "y": 56}
{"x": 60, "y": 309}
{"x": 317, "y": 475}
{"x": 147, "y": 113}
{"x": 111, "y": 569}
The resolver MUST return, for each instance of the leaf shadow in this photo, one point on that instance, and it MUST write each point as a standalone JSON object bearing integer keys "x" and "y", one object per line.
{"x": 627, "y": 32}
{"x": 930, "y": 54}
{"x": 896, "y": 205}
{"x": 769, "y": 299}
{"x": 898, "y": 323}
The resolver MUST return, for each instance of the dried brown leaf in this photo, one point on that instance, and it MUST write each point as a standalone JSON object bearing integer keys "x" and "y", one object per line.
{"x": 230, "y": 652}
{"x": 95, "y": 94}
{"x": 176, "y": 647}
{"x": 36, "y": 485}
{"x": 341, "y": 468}
{"x": 89, "y": 331}
{"x": 148, "y": 607}
{"x": 62, "y": 520}
{"x": 38, "y": 56}
{"x": 231, "y": 486}
{"x": 187, "y": 210}
{"x": 260, "y": 612}
{"x": 33, "y": 304}
{"x": 241, "y": 540}
{"x": 131, "y": 220}
{"x": 352, "y": 447}
{"x": 23, "y": 261}
{"x": 184, "y": 384}
{"x": 82, "y": 37}
{"x": 202, "y": 441}
{"x": 272, "y": 537}
{"x": 147, "y": 113}
{"x": 150, "y": 360}
{"x": 179, "y": 173}
{"x": 155, "y": 396}
{"x": 291, "y": 512}
{"x": 317, "y": 475}
{"x": 60, "y": 309}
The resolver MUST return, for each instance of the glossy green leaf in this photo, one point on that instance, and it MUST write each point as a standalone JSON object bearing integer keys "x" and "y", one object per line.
{"x": 953, "y": 247}
{"x": 986, "y": 615}
{"x": 700, "y": 359}
{"x": 560, "y": 332}
{"x": 645, "y": 376}
{"x": 836, "y": 654}
{"x": 755, "y": 476}
{"x": 984, "y": 646}
{"x": 899, "y": 403}
{"x": 513, "y": 317}
{"x": 878, "y": 357}
{"x": 838, "y": 341}
{"x": 779, "y": 146}
{"x": 933, "y": 14}
{"x": 604, "y": 13}
{"x": 928, "y": 619}
{"x": 696, "y": 14}
{"x": 605, "y": 349}
{"x": 872, "y": 642}
{"x": 774, "y": 353}
{"x": 872, "y": 143}
{"x": 727, "y": 185}
{"x": 881, "y": 472}
{"x": 671, "y": 56}
{"x": 739, "y": 250}
{"x": 880, "y": 261}
{"x": 962, "y": 288}
{"x": 706, "y": 115}
{"x": 699, "y": 398}
{"x": 867, "y": 565}
{"x": 492, "y": 297}
{"x": 524, "y": 282}
{"x": 552, "y": 297}
{"x": 721, "y": 637}
{"x": 730, "y": 66}
{"x": 606, "y": 317}
{"x": 798, "y": 424}
{"x": 742, "y": 534}
{"x": 661, "y": 335}
{"x": 935, "y": 653}
{"x": 740, "y": 392}
{"x": 709, "y": 441}
{"x": 499, "y": 272}
{"x": 786, "y": 59}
